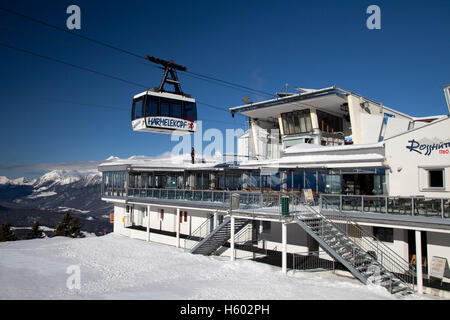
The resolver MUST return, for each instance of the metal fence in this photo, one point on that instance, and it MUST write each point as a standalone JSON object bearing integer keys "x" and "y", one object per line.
{"x": 406, "y": 206}
{"x": 247, "y": 199}
{"x": 312, "y": 261}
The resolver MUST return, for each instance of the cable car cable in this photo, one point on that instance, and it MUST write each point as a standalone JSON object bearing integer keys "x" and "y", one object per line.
{"x": 93, "y": 71}
{"x": 200, "y": 76}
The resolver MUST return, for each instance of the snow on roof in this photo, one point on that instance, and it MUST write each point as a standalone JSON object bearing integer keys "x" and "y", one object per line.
{"x": 166, "y": 160}
{"x": 431, "y": 118}
{"x": 302, "y": 160}
{"x": 308, "y": 148}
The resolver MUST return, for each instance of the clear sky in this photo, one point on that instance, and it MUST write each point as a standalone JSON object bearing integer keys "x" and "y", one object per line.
{"x": 259, "y": 44}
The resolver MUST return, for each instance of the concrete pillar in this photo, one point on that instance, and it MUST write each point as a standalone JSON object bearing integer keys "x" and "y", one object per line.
{"x": 178, "y": 227}
{"x": 148, "y": 223}
{"x": 232, "y": 239}
{"x": 216, "y": 219}
{"x": 284, "y": 247}
{"x": 213, "y": 181}
{"x": 419, "y": 262}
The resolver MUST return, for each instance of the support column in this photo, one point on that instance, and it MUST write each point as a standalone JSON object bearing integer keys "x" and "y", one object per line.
{"x": 419, "y": 262}
{"x": 284, "y": 247}
{"x": 232, "y": 239}
{"x": 148, "y": 223}
{"x": 178, "y": 227}
{"x": 216, "y": 221}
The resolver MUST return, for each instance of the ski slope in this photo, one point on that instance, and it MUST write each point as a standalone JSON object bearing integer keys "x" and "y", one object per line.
{"x": 116, "y": 267}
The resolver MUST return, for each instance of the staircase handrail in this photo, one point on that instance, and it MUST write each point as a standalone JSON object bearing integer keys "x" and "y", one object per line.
{"x": 197, "y": 232}
{"x": 375, "y": 239}
{"x": 242, "y": 233}
{"x": 410, "y": 268}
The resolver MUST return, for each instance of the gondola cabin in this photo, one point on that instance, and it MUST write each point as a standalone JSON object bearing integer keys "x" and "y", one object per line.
{"x": 163, "y": 112}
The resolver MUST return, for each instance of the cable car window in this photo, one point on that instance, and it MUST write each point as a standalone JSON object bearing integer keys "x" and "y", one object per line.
{"x": 164, "y": 112}
{"x": 138, "y": 109}
{"x": 189, "y": 111}
{"x": 175, "y": 110}
{"x": 152, "y": 104}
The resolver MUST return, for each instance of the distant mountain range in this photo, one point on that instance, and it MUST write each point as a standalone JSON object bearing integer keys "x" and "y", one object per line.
{"x": 58, "y": 191}
{"x": 16, "y": 182}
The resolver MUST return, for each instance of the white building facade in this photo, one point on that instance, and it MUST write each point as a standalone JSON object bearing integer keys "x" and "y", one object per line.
{"x": 376, "y": 176}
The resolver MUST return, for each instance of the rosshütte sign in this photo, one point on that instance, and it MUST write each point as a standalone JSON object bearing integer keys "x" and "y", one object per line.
{"x": 427, "y": 149}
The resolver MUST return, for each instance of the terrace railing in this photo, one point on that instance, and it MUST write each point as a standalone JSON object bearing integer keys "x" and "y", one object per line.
{"x": 406, "y": 206}
{"x": 218, "y": 197}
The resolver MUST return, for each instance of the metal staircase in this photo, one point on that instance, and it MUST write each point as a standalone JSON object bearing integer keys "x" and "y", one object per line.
{"x": 218, "y": 237}
{"x": 369, "y": 260}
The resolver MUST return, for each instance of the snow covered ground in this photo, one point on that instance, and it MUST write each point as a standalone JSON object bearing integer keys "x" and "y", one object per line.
{"x": 116, "y": 267}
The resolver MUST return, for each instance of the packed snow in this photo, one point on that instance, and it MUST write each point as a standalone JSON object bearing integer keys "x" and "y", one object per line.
{"x": 116, "y": 267}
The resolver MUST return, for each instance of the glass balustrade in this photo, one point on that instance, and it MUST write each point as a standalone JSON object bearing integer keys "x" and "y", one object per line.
{"x": 405, "y": 206}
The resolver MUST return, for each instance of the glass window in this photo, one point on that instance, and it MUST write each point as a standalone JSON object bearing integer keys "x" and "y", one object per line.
{"x": 310, "y": 181}
{"x": 436, "y": 178}
{"x": 189, "y": 111}
{"x": 275, "y": 182}
{"x": 164, "y": 108}
{"x": 332, "y": 183}
{"x": 298, "y": 181}
{"x": 175, "y": 110}
{"x": 152, "y": 103}
{"x": 307, "y": 119}
{"x": 291, "y": 123}
{"x": 328, "y": 122}
{"x": 296, "y": 122}
{"x": 138, "y": 110}
{"x": 171, "y": 182}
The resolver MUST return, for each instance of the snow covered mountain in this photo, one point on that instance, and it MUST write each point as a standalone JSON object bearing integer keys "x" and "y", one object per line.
{"x": 16, "y": 182}
{"x": 65, "y": 177}
{"x": 67, "y": 190}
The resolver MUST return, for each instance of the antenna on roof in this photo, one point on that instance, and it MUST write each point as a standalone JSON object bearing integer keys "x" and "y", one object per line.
{"x": 447, "y": 97}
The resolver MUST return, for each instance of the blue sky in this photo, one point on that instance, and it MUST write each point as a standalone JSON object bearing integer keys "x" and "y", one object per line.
{"x": 259, "y": 44}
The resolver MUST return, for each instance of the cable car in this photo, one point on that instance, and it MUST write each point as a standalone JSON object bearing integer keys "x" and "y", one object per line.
{"x": 159, "y": 111}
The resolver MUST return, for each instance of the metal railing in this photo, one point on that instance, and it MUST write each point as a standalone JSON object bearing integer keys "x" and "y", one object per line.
{"x": 198, "y": 234}
{"x": 219, "y": 197}
{"x": 312, "y": 261}
{"x": 407, "y": 206}
{"x": 360, "y": 238}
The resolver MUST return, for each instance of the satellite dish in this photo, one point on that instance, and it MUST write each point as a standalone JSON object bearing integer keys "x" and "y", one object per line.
{"x": 247, "y": 100}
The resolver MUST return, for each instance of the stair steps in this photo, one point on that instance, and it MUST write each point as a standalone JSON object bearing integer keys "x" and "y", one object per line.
{"x": 342, "y": 248}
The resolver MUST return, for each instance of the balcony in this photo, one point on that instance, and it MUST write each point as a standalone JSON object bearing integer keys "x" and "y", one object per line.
{"x": 406, "y": 207}
{"x": 216, "y": 198}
